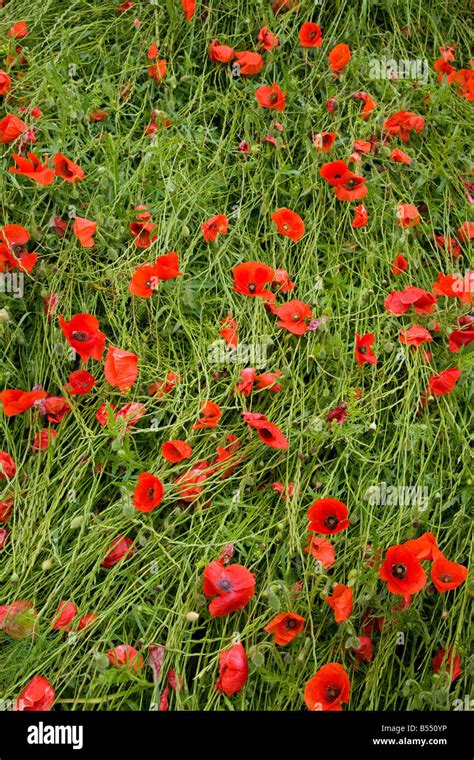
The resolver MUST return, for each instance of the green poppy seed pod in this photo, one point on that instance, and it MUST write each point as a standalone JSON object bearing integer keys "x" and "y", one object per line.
{"x": 77, "y": 522}
{"x": 101, "y": 661}
{"x": 4, "y": 316}
{"x": 14, "y": 578}
{"x": 192, "y": 617}
{"x": 47, "y": 565}
{"x": 185, "y": 231}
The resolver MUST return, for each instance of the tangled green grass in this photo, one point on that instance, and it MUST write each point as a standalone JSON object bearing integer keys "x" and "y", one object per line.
{"x": 74, "y": 498}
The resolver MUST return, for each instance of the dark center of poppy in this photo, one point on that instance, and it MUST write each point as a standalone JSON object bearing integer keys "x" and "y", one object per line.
{"x": 350, "y": 184}
{"x": 331, "y": 693}
{"x": 312, "y": 34}
{"x": 296, "y": 317}
{"x": 337, "y": 175}
{"x": 273, "y": 97}
{"x": 252, "y": 287}
{"x": 266, "y": 434}
{"x": 151, "y": 493}
{"x": 290, "y": 624}
{"x": 399, "y": 571}
{"x": 224, "y": 585}
{"x": 331, "y": 522}
{"x": 446, "y": 578}
{"x": 80, "y": 336}
{"x": 18, "y": 249}
{"x": 362, "y": 349}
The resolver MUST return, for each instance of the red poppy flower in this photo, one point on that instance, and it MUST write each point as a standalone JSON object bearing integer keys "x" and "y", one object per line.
{"x": 229, "y": 330}
{"x": 270, "y": 96}
{"x": 267, "y": 39}
{"x": 340, "y": 602}
{"x": 176, "y": 450}
{"x": 54, "y": 408}
{"x": 465, "y": 231}
{"x": 226, "y": 453}
{"x": 82, "y": 333}
{"x": 158, "y": 69}
{"x": 445, "y": 382}
{"x": 423, "y": 547}
{"x": 323, "y": 141}
{"x": 121, "y": 368}
{"x": 43, "y": 440}
{"x": 268, "y": 380}
{"x": 285, "y": 492}
{"x": 80, "y": 382}
{"x": 400, "y": 157}
{"x": 234, "y": 586}
{"x": 334, "y": 172}
{"x": 369, "y": 104}
{"x": 250, "y": 279}
{"x": 162, "y": 387}
{"x": 98, "y": 115}
{"x": 65, "y": 614}
{"x": 402, "y": 571}
{"x": 408, "y": 215}
{"x": 245, "y": 386}
{"x": 38, "y": 695}
{"x": 446, "y": 575}
{"x": 11, "y": 127}
{"x": 152, "y": 51}
{"x": 211, "y": 414}
{"x": 189, "y": 483}
{"x": 5, "y": 82}
{"x": 289, "y": 223}
{"x": 86, "y": 620}
{"x": 6, "y": 506}
{"x": 464, "y": 335}
{"x": 142, "y": 230}
{"x": 220, "y": 53}
{"x": 250, "y": 63}
{"x": 144, "y": 281}
{"x": 328, "y": 516}
{"x": 282, "y": 279}
{"x": 328, "y": 688}
{"x": 363, "y": 350}
{"x": 285, "y": 627}
{"x": 149, "y": 492}
{"x": 15, "y": 402}
{"x": 398, "y": 302}
{"x": 233, "y": 670}
{"x": 348, "y": 186}
{"x": 463, "y": 79}
{"x": 293, "y": 316}
{"x": 267, "y": 431}
{"x": 189, "y": 8}
{"x": 84, "y": 230}
{"x": 7, "y": 466}
{"x": 455, "y": 287}
{"x": 399, "y": 264}
{"x": 415, "y": 336}
{"x": 213, "y": 226}
{"x": 120, "y": 548}
{"x": 18, "y": 30}
{"x": 339, "y": 57}
{"x": 125, "y": 656}
{"x": 339, "y": 413}
{"x": 310, "y": 35}
{"x": 67, "y": 169}
{"x": 364, "y": 650}
{"x": 322, "y": 551}
{"x": 450, "y": 663}
{"x": 402, "y": 123}
{"x": 361, "y": 216}
{"x": 32, "y": 168}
